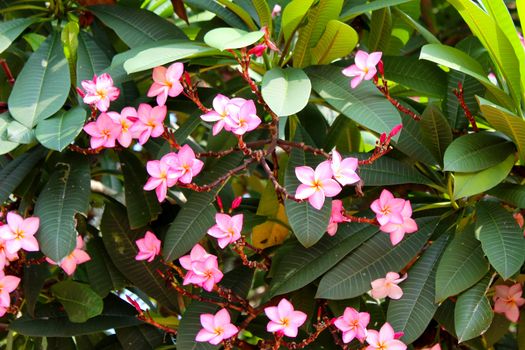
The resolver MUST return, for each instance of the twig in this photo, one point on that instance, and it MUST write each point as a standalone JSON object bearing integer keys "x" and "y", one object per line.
{"x": 468, "y": 114}
{"x": 7, "y": 71}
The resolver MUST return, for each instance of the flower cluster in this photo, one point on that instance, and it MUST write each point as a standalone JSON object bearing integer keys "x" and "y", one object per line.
{"x": 326, "y": 179}
{"x": 76, "y": 257}
{"x": 100, "y": 92}
{"x": 203, "y": 268}
{"x": 508, "y": 300}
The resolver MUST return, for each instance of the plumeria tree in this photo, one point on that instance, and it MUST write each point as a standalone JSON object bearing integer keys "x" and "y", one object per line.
{"x": 262, "y": 174}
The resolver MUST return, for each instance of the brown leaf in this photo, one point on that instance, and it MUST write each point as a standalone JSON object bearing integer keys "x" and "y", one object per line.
{"x": 180, "y": 10}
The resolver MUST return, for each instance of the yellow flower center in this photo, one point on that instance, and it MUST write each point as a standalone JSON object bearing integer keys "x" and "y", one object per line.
{"x": 218, "y": 330}
{"x": 285, "y": 322}
{"x": 19, "y": 234}
{"x": 102, "y": 93}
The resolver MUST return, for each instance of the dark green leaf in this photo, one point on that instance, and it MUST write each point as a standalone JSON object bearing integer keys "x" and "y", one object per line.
{"x": 220, "y": 11}
{"x": 10, "y": 30}
{"x": 6, "y": 146}
{"x": 286, "y": 91}
{"x": 103, "y": 275}
{"x": 436, "y": 132}
{"x": 511, "y": 193}
{"x": 61, "y": 129}
{"x": 91, "y": 58}
{"x": 79, "y": 300}
{"x": 34, "y": 279}
{"x": 411, "y": 142}
{"x": 388, "y": 171}
{"x": 143, "y": 337}
{"x": 352, "y": 11}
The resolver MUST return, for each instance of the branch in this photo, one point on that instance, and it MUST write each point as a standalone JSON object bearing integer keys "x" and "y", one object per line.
{"x": 468, "y": 114}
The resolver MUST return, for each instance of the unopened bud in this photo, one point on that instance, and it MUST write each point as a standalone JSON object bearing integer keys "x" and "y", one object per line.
{"x": 236, "y": 202}
{"x": 396, "y": 130}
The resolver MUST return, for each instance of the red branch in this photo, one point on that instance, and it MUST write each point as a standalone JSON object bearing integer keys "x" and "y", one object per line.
{"x": 459, "y": 95}
{"x": 7, "y": 71}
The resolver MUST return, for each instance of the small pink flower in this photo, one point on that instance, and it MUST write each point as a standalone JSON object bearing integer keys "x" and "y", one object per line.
{"x": 316, "y": 185}
{"x": 508, "y": 300}
{"x": 162, "y": 175}
{"x": 185, "y": 166}
{"x": 284, "y": 319}
{"x": 227, "y": 228}
{"x": 19, "y": 233}
{"x": 166, "y": 82}
{"x": 388, "y": 286}
{"x": 203, "y": 268}
{"x": 150, "y": 122}
{"x": 100, "y": 91}
{"x": 336, "y": 217}
{"x": 388, "y": 209}
{"x": 276, "y": 11}
{"x": 220, "y": 112}
{"x": 398, "y": 231}
{"x": 385, "y": 339}
{"x": 216, "y": 328}
{"x": 364, "y": 67}
{"x": 257, "y": 50}
{"x": 344, "y": 169}
{"x": 353, "y": 324}
{"x": 76, "y": 257}
{"x": 149, "y": 247}
{"x": 7, "y": 285}
{"x": 126, "y": 119}
{"x": 104, "y": 131}
{"x": 242, "y": 119}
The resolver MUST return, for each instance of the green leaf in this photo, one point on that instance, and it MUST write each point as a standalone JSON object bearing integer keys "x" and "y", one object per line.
{"x": 136, "y": 26}
{"x": 80, "y": 302}
{"x": 309, "y": 35}
{"x": 352, "y": 276}
{"x": 461, "y": 266}
{"x": 119, "y": 239}
{"x": 511, "y": 193}
{"x": 387, "y": 171}
{"x": 10, "y": 30}
{"x": 380, "y": 29}
{"x": 220, "y": 11}
{"x": 436, "y": 132}
{"x": 16, "y": 170}
{"x": 143, "y": 59}
{"x": 264, "y": 13}
{"x": 364, "y": 104}
{"x": 239, "y": 11}
{"x": 60, "y": 130}
{"x": 91, "y": 58}
{"x": 33, "y": 280}
{"x": 142, "y": 206}
{"x": 231, "y": 38}
{"x": 144, "y": 337}
{"x": 300, "y": 265}
{"x": 473, "y": 313}
{"x": 468, "y": 184}
{"x": 65, "y": 195}
{"x": 6, "y": 146}
{"x": 286, "y": 91}
{"x": 506, "y": 122}
{"x": 413, "y": 312}
{"x": 42, "y": 86}
{"x": 19, "y": 133}
{"x": 34, "y": 40}
{"x": 411, "y": 142}
{"x": 103, "y": 275}
{"x": 474, "y": 152}
{"x": 350, "y": 11}
{"x": 293, "y": 14}
{"x": 501, "y": 238}
{"x": 308, "y": 223}
{"x": 338, "y": 40}
{"x": 412, "y": 23}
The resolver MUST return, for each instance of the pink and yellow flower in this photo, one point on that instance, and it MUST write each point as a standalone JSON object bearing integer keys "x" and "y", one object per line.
{"x": 7, "y": 285}
{"x": 19, "y": 233}
{"x": 162, "y": 175}
{"x": 216, "y": 328}
{"x": 243, "y": 118}
{"x": 185, "y": 165}
{"x": 316, "y": 185}
{"x": 353, "y": 324}
{"x": 150, "y": 122}
{"x": 344, "y": 170}
{"x": 385, "y": 339}
{"x": 388, "y": 209}
{"x": 227, "y": 228}
{"x": 149, "y": 247}
{"x": 166, "y": 82}
{"x": 508, "y": 300}
{"x": 364, "y": 67}
{"x": 388, "y": 286}
{"x": 100, "y": 91}
{"x": 126, "y": 118}
{"x": 203, "y": 268}
{"x": 284, "y": 319}
{"x": 398, "y": 231}
{"x": 76, "y": 257}
{"x": 104, "y": 131}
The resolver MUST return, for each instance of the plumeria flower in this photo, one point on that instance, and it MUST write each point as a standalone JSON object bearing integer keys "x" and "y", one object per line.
{"x": 353, "y": 324}
{"x": 166, "y": 82}
{"x": 7, "y": 285}
{"x": 388, "y": 286}
{"x": 276, "y": 11}
{"x": 364, "y": 67}
{"x": 203, "y": 269}
{"x": 220, "y": 113}
{"x": 126, "y": 118}
{"x": 344, "y": 169}
{"x": 508, "y": 300}
{"x": 336, "y": 217}
{"x": 149, "y": 247}
{"x": 385, "y": 339}
{"x": 104, "y": 131}
{"x": 150, "y": 122}
{"x": 242, "y": 119}
{"x": 5, "y": 256}
{"x": 162, "y": 175}
{"x": 388, "y": 209}
{"x": 398, "y": 231}
{"x": 76, "y": 257}
{"x": 227, "y": 228}
{"x": 216, "y": 328}
{"x": 100, "y": 91}
{"x": 284, "y": 319}
{"x": 19, "y": 233}
{"x": 185, "y": 166}
{"x": 316, "y": 185}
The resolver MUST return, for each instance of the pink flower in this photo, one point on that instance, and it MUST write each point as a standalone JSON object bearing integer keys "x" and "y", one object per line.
{"x": 284, "y": 319}
{"x": 19, "y": 233}
{"x": 388, "y": 286}
{"x": 7, "y": 285}
{"x": 343, "y": 170}
{"x": 104, "y": 131}
{"x": 149, "y": 123}
{"x": 126, "y": 119}
{"x": 166, "y": 82}
{"x": 508, "y": 300}
{"x": 336, "y": 217}
{"x": 162, "y": 175}
{"x": 388, "y": 209}
{"x": 100, "y": 91}
{"x": 243, "y": 118}
{"x": 398, "y": 231}
{"x": 316, "y": 185}
{"x": 76, "y": 257}
{"x": 257, "y": 50}
{"x": 353, "y": 324}
{"x": 5, "y": 256}
{"x": 203, "y": 269}
{"x": 220, "y": 112}
{"x": 149, "y": 247}
{"x": 364, "y": 67}
{"x": 185, "y": 166}
{"x": 276, "y": 11}
{"x": 385, "y": 339}
{"x": 227, "y": 228}
{"x": 216, "y": 328}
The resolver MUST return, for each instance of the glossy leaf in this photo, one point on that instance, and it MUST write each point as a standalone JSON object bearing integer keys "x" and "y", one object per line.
{"x": 388, "y": 171}
{"x": 286, "y": 91}
{"x": 6, "y": 146}
{"x": 231, "y": 38}
{"x": 10, "y": 30}
{"x": 60, "y": 130}
{"x": 293, "y": 15}
{"x": 91, "y": 58}
{"x": 79, "y": 300}
{"x": 144, "y": 337}
{"x": 103, "y": 275}
{"x": 350, "y": 11}
{"x": 264, "y": 13}
{"x": 412, "y": 144}
{"x": 511, "y": 193}
{"x": 223, "y": 13}
{"x": 380, "y": 29}
{"x": 436, "y": 132}
{"x": 338, "y": 40}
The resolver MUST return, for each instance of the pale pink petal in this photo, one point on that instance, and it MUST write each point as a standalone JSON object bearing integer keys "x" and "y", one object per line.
{"x": 360, "y": 59}
{"x": 305, "y": 174}
{"x": 331, "y": 188}
{"x": 305, "y": 191}
{"x": 352, "y": 71}
{"x": 316, "y": 199}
